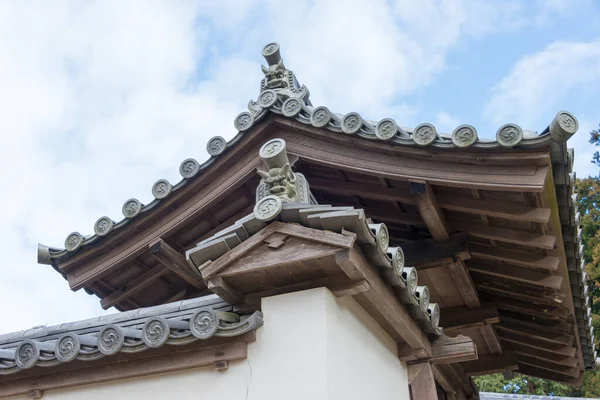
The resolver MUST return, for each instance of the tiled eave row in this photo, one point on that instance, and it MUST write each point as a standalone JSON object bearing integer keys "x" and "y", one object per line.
{"x": 564, "y": 181}
{"x": 133, "y": 331}
{"x": 291, "y": 100}
{"x": 373, "y": 240}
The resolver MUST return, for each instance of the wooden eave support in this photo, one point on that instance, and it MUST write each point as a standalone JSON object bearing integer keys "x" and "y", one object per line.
{"x": 559, "y": 349}
{"x": 444, "y": 350}
{"x": 545, "y": 374}
{"x": 173, "y": 260}
{"x": 138, "y": 283}
{"x": 427, "y": 253}
{"x": 539, "y": 334}
{"x": 489, "y": 364}
{"x": 381, "y": 303}
{"x": 517, "y": 274}
{"x": 421, "y": 381}
{"x": 523, "y": 238}
{"x": 458, "y": 318}
{"x": 468, "y": 205}
{"x": 514, "y": 257}
{"x": 436, "y": 223}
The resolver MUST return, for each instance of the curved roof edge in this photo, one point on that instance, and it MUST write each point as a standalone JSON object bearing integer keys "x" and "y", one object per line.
{"x": 281, "y": 94}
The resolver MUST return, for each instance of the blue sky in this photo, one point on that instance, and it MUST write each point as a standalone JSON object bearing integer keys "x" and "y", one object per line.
{"x": 102, "y": 98}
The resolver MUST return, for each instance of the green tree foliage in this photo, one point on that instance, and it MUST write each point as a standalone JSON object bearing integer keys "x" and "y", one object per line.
{"x": 588, "y": 199}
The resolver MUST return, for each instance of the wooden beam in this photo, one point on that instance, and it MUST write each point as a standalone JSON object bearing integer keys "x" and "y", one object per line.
{"x": 175, "y": 261}
{"x": 442, "y": 379}
{"x": 489, "y": 364}
{"x": 544, "y": 355}
{"x": 224, "y": 290}
{"x": 527, "y": 308}
{"x": 546, "y": 326}
{"x": 545, "y": 374}
{"x": 536, "y": 344}
{"x": 380, "y": 302}
{"x": 430, "y": 211}
{"x": 511, "y": 211}
{"x": 421, "y": 381}
{"x": 491, "y": 339}
{"x": 458, "y": 318}
{"x": 449, "y": 350}
{"x": 517, "y": 274}
{"x": 549, "y": 366}
{"x": 465, "y": 284}
{"x": 549, "y": 300}
{"x": 138, "y": 283}
{"x": 430, "y": 250}
{"x": 523, "y": 238}
{"x": 539, "y": 334}
{"x": 436, "y": 224}
{"x": 497, "y": 209}
{"x": 514, "y": 257}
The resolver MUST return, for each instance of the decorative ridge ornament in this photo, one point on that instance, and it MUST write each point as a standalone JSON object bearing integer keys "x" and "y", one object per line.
{"x": 279, "y": 184}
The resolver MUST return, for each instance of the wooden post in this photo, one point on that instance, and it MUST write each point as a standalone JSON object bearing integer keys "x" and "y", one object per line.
{"x": 421, "y": 382}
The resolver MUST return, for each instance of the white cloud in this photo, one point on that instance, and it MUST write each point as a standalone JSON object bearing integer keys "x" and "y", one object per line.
{"x": 539, "y": 84}
{"x": 562, "y": 76}
{"x": 101, "y": 98}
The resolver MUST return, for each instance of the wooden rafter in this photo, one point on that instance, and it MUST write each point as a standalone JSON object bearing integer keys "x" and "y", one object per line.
{"x": 514, "y": 257}
{"x": 517, "y": 274}
{"x": 452, "y": 203}
{"x": 491, "y": 364}
{"x": 175, "y": 261}
{"x": 436, "y": 223}
{"x": 541, "y": 241}
{"x": 459, "y": 318}
{"x": 133, "y": 286}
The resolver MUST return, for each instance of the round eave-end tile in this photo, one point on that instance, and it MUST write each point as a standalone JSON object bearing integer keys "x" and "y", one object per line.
{"x": 155, "y": 332}
{"x": 464, "y": 136}
{"x": 386, "y": 129}
{"x": 216, "y": 146}
{"x": 27, "y": 354}
{"x": 272, "y": 148}
{"x": 243, "y": 121}
{"x": 161, "y": 189}
{"x": 204, "y": 324}
{"x": 67, "y": 347}
{"x": 268, "y": 208}
{"x": 132, "y": 208}
{"x": 563, "y": 126}
{"x": 351, "y": 123}
{"x": 509, "y": 135}
{"x": 424, "y": 134}
{"x": 320, "y": 117}
{"x": 189, "y": 168}
{"x": 103, "y": 226}
{"x": 270, "y": 49}
{"x": 291, "y": 107}
{"x": 73, "y": 241}
{"x": 267, "y": 98}
{"x": 110, "y": 340}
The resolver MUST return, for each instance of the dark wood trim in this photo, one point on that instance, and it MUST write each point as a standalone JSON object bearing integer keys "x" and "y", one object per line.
{"x": 460, "y": 318}
{"x": 517, "y": 274}
{"x": 491, "y": 364}
{"x": 175, "y": 261}
{"x": 138, "y": 283}
{"x": 514, "y": 257}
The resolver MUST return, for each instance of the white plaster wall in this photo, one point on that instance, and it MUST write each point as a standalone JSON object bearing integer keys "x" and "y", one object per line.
{"x": 312, "y": 346}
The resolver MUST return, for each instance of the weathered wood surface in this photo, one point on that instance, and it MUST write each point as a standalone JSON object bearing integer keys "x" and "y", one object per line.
{"x": 175, "y": 261}
{"x": 128, "y": 366}
{"x": 421, "y": 381}
{"x": 491, "y": 364}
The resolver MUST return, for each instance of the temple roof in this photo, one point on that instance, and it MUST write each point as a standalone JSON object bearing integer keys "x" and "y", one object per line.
{"x": 133, "y": 331}
{"x": 513, "y": 197}
{"x": 282, "y": 95}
